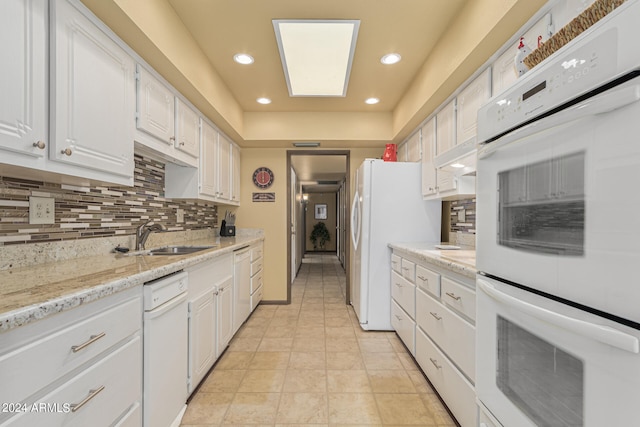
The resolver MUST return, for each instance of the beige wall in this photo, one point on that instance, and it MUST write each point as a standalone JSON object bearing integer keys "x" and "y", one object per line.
{"x": 330, "y": 200}
{"x": 272, "y": 217}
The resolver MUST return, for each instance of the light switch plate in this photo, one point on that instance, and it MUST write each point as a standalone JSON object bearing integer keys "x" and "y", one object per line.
{"x": 42, "y": 210}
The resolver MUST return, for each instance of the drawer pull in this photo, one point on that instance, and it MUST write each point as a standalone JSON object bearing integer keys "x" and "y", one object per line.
{"x": 454, "y": 296}
{"x": 398, "y": 284}
{"x": 424, "y": 279}
{"x": 435, "y": 363}
{"x": 91, "y": 340}
{"x": 398, "y": 317}
{"x": 75, "y": 407}
{"x": 435, "y": 315}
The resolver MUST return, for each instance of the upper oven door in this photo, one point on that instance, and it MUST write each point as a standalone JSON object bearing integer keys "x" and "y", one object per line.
{"x": 543, "y": 363}
{"x": 557, "y": 202}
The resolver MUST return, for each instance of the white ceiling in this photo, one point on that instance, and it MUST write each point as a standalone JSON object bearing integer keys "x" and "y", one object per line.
{"x": 320, "y": 173}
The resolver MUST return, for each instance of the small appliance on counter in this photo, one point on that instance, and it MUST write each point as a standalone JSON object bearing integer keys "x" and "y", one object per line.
{"x": 228, "y": 226}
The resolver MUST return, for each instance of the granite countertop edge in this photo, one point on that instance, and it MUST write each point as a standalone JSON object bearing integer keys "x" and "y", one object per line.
{"x": 41, "y": 309}
{"x": 443, "y": 258}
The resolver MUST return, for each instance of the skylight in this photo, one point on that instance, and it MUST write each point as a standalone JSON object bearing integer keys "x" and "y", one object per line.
{"x": 316, "y": 55}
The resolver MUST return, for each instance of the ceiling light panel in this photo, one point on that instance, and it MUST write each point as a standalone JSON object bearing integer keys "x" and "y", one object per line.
{"x": 316, "y": 55}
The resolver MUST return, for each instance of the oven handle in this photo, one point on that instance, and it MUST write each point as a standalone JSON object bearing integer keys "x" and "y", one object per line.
{"x": 604, "y": 334}
{"x": 600, "y": 104}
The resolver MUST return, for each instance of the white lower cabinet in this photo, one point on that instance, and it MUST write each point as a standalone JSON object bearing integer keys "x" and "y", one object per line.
{"x": 89, "y": 358}
{"x": 256, "y": 274}
{"x": 435, "y": 318}
{"x": 208, "y": 313}
{"x": 225, "y": 314}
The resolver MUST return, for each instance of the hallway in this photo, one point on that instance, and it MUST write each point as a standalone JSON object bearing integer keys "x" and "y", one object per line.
{"x": 309, "y": 363}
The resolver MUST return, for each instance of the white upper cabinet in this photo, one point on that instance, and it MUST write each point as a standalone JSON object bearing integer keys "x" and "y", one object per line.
{"x": 155, "y": 103}
{"x": 208, "y": 161}
{"x": 446, "y": 128}
{"x": 92, "y": 96}
{"x": 187, "y": 129}
{"x": 23, "y": 77}
{"x": 224, "y": 168}
{"x": 165, "y": 124}
{"x": 235, "y": 173}
{"x": 469, "y": 102}
{"x": 414, "y": 151}
{"x": 429, "y": 183}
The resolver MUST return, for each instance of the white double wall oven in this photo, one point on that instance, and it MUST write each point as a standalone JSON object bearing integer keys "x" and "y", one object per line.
{"x": 558, "y": 326}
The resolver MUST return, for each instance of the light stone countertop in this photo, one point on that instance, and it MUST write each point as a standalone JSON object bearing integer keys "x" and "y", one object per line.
{"x": 462, "y": 261}
{"x": 32, "y": 293}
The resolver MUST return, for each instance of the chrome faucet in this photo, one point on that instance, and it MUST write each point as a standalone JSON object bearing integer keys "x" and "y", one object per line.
{"x": 143, "y": 231}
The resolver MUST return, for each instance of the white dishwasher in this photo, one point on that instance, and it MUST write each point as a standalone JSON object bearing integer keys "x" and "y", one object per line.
{"x": 165, "y": 351}
{"x": 241, "y": 286}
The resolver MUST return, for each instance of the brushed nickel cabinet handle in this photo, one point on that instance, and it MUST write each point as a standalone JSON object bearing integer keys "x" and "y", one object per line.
{"x": 172, "y": 138}
{"x": 92, "y": 393}
{"x": 435, "y": 363}
{"x": 91, "y": 340}
{"x": 66, "y": 152}
{"x": 435, "y": 315}
{"x": 424, "y": 279}
{"x": 398, "y": 317}
{"x": 452, "y": 295}
{"x": 39, "y": 144}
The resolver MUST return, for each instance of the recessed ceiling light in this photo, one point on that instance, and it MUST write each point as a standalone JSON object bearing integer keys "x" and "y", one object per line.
{"x": 371, "y": 101}
{"x": 243, "y": 58}
{"x": 264, "y": 101}
{"x": 390, "y": 58}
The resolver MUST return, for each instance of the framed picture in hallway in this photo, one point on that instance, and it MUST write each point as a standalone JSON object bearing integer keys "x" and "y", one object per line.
{"x": 321, "y": 211}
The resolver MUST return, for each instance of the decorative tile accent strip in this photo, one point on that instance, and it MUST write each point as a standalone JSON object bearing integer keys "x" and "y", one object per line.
{"x": 86, "y": 212}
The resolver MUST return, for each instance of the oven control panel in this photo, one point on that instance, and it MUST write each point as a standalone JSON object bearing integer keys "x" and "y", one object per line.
{"x": 584, "y": 67}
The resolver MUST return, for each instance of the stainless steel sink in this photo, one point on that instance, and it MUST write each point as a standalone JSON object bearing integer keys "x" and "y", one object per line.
{"x": 177, "y": 250}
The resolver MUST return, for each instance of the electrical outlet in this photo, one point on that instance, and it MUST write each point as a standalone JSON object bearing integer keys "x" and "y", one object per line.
{"x": 42, "y": 210}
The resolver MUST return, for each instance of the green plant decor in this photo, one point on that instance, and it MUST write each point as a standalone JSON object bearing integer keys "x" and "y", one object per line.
{"x": 319, "y": 235}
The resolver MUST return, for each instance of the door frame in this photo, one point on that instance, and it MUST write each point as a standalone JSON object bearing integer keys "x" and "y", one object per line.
{"x": 347, "y": 219}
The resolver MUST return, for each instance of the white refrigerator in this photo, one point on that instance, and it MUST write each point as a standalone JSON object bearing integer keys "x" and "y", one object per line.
{"x": 387, "y": 207}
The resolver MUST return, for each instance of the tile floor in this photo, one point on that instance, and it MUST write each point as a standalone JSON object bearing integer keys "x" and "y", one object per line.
{"x": 310, "y": 364}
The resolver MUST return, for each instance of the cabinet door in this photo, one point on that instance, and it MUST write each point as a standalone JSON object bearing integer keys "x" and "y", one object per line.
{"x": 446, "y": 181}
{"x": 469, "y": 102}
{"x": 202, "y": 337}
{"x": 155, "y": 107}
{"x": 446, "y": 128}
{"x": 225, "y": 314}
{"x": 224, "y": 168}
{"x": 235, "y": 168}
{"x": 187, "y": 129}
{"x": 23, "y": 77}
{"x": 413, "y": 148}
{"x": 429, "y": 183}
{"x": 208, "y": 161}
{"x": 92, "y": 96}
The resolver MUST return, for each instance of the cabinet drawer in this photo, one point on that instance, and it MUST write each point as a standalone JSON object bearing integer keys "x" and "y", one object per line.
{"x": 256, "y": 252}
{"x": 455, "y": 390}
{"x": 404, "y": 293}
{"x": 404, "y": 326}
{"x": 455, "y": 336}
{"x": 256, "y": 297}
{"x": 256, "y": 266}
{"x": 396, "y": 263}
{"x": 256, "y": 281}
{"x": 428, "y": 280}
{"x": 409, "y": 270}
{"x": 116, "y": 376}
{"x": 25, "y": 370}
{"x": 459, "y": 297}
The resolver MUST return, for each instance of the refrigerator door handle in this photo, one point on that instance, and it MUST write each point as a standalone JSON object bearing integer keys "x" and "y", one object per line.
{"x": 355, "y": 221}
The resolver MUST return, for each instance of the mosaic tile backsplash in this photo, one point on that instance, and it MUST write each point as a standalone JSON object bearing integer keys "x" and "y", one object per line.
{"x": 463, "y": 221}
{"x": 88, "y": 212}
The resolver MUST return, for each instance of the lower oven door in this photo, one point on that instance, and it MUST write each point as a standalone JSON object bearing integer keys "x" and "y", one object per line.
{"x": 544, "y": 363}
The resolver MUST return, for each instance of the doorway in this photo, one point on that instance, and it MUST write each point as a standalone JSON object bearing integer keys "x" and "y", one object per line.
{"x": 310, "y": 173}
